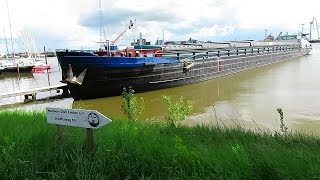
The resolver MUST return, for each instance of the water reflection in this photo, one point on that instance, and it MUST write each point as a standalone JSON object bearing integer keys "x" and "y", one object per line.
{"x": 13, "y": 75}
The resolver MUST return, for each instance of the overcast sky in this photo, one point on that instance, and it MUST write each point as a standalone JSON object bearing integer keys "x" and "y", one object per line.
{"x": 75, "y": 23}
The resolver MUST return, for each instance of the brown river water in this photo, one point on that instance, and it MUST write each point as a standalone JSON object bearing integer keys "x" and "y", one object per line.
{"x": 248, "y": 99}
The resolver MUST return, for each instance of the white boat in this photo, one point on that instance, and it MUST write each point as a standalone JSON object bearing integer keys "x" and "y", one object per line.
{"x": 21, "y": 65}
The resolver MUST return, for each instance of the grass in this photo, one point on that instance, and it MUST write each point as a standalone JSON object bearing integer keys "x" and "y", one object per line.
{"x": 141, "y": 150}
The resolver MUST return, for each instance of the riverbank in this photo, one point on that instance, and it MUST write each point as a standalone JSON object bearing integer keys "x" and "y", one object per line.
{"x": 133, "y": 149}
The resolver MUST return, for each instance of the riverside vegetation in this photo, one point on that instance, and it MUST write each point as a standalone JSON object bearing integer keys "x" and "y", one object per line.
{"x": 132, "y": 149}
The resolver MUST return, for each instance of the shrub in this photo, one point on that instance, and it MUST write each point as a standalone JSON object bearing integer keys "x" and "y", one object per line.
{"x": 176, "y": 111}
{"x": 283, "y": 127}
{"x": 130, "y": 106}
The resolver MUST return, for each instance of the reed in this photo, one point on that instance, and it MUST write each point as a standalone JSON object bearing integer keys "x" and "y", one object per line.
{"x": 141, "y": 150}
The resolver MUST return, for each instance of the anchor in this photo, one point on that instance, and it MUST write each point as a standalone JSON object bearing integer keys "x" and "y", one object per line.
{"x": 73, "y": 79}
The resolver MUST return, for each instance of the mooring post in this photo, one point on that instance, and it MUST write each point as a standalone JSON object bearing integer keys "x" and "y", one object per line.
{"x": 89, "y": 140}
{"x": 45, "y": 54}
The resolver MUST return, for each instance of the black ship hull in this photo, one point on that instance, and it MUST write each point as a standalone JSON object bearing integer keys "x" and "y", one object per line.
{"x": 110, "y": 81}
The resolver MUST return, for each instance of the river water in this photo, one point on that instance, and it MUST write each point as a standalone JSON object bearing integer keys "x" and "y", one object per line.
{"x": 249, "y": 99}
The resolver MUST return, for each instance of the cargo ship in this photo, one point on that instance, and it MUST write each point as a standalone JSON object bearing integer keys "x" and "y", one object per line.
{"x": 94, "y": 74}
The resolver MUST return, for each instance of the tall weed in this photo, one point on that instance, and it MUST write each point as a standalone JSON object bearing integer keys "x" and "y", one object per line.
{"x": 176, "y": 111}
{"x": 130, "y": 105}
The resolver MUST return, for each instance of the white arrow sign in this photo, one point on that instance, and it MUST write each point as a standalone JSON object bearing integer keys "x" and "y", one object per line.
{"x": 76, "y": 117}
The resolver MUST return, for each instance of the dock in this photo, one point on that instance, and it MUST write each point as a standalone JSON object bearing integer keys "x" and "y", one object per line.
{"x": 33, "y": 92}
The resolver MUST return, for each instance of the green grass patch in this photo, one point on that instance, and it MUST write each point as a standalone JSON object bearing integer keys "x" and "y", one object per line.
{"x": 141, "y": 150}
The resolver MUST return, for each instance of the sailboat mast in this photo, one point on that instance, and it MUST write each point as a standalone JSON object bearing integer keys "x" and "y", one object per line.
{"x": 311, "y": 23}
{"x": 10, "y": 29}
{"x": 25, "y": 42}
{"x": 5, "y": 38}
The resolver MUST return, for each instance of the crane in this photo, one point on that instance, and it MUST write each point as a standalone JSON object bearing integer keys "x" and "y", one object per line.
{"x": 129, "y": 26}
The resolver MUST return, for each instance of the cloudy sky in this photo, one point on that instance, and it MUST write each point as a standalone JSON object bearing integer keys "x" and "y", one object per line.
{"x": 75, "y": 23}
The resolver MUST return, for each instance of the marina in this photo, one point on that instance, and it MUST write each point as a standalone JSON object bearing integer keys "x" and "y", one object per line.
{"x": 15, "y": 85}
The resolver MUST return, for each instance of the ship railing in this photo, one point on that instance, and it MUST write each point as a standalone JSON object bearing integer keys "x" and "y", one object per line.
{"x": 229, "y": 44}
{"x": 74, "y": 50}
{"x": 198, "y": 54}
{"x": 192, "y": 53}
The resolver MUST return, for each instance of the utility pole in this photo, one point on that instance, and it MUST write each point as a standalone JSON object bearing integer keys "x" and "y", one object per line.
{"x": 302, "y": 25}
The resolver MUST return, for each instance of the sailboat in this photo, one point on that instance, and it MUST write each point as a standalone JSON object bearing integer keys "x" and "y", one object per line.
{"x": 13, "y": 64}
{"x": 33, "y": 55}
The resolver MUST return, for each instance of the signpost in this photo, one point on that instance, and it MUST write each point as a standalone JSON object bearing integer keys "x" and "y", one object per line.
{"x": 88, "y": 119}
